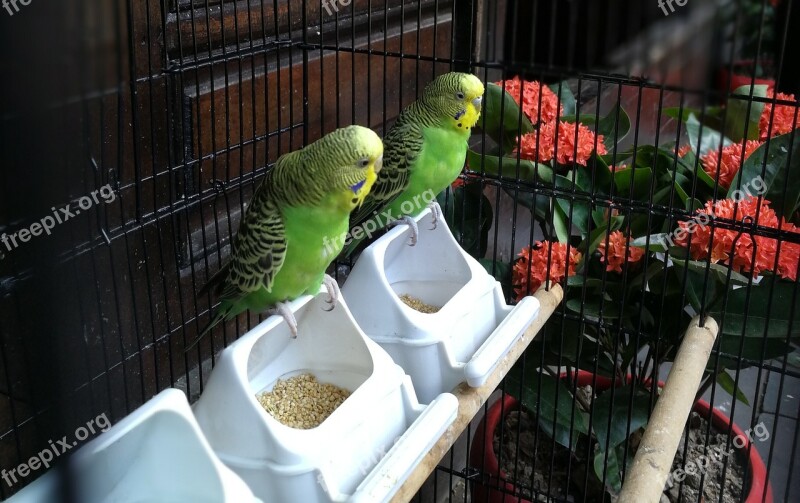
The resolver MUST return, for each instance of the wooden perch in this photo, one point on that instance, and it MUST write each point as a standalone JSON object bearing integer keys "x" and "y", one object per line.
{"x": 470, "y": 400}
{"x": 653, "y": 462}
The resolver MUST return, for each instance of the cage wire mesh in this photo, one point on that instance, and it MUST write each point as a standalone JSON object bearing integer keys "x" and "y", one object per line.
{"x": 144, "y": 127}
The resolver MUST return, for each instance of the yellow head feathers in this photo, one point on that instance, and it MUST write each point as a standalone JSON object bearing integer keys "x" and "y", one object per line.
{"x": 455, "y": 98}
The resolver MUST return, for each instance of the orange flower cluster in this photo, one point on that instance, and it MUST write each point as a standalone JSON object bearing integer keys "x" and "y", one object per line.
{"x": 530, "y": 272}
{"x": 684, "y": 150}
{"x": 566, "y": 147}
{"x": 784, "y": 119}
{"x": 736, "y": 250}
{"x": 527, "y": 94}
{"x": 726, "y": 166}
{"x": 541, "y": 106}
{"x": 618, "y": 252}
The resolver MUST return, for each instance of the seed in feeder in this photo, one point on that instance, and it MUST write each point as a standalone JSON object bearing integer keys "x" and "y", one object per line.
{"x": 418, "y": 305}
{"x": 301, "y": 401}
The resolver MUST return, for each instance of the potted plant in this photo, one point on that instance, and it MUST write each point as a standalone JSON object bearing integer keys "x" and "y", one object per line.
{"x": 498, "y": 485}
{"x": 635, "y": 276}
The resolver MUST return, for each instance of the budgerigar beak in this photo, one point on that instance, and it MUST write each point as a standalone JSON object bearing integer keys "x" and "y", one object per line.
{"x": 477, "y": 103}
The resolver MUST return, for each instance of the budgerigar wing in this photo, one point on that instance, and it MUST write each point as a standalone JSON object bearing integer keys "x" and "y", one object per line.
{"x": 403, "y": 145}
{"x": 259, "y": 249}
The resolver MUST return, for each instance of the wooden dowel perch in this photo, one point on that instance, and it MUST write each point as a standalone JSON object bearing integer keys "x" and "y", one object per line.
{"x": 470, "y": 400}
{"x": 645, "y": 481}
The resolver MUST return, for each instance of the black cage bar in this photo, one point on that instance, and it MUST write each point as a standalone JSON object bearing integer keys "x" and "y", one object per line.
{"x": 143, "y": 128}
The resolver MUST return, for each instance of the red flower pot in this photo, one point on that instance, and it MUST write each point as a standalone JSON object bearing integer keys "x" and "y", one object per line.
{"x": 483, "y": 457}
{"x": 742, "y": 76}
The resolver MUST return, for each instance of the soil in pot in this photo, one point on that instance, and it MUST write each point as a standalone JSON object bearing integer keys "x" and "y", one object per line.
{"x": 520, "y": 428}
{"x": 708, "y": 461}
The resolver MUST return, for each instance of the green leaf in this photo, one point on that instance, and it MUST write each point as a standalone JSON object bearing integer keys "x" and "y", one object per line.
{"x": 513, "y": 123}
{"x": 727, "y": 383}
{"x": 591, "y": 307}
{"x": 468, "y": 213}
{"x": 614, "y": 127}
{"x": 580, "y": 209}
{"x": 507, "y": 167}
{"x": 561, "y": 224}
{"x": 598, "y": 235}
{"x": 693, "y": 204}
{"x": 537, "y": 203}
{"x": 656, "y": 242}
{"x": 769, "y": 310}
{"x": 710, "y": 139}
{"x": 633, "y": 182}
{"x": 616, "y": 415}
{"x": 680, "y": 114}
{"x": 701, "y": 294}
{"x": 778, "y": 174}
{"x": 602, "y": 175}
{"x": 566, "y": 97}
{"x": 612, "y": 470}
{"x": 552, "y": 403}
{"x": 738, "y": 118}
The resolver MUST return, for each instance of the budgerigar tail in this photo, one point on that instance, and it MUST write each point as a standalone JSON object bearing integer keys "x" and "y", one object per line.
{"x": 218, "y": 317}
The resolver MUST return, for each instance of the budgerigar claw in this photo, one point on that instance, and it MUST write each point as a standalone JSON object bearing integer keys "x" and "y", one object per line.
{"x": 282, "y": 309}
{"x": 436, "y": 214}
{"x": 412, "y": 224}
{"x": 333, "y": 292}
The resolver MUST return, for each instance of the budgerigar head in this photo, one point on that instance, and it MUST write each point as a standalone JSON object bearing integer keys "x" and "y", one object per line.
{"x": 347, "y": 162}
{"x": 455, "y": 98}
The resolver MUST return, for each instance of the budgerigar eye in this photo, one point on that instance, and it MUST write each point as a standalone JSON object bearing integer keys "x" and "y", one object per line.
{"x": 363, "y": 163}
{"x": 460, "y": 95}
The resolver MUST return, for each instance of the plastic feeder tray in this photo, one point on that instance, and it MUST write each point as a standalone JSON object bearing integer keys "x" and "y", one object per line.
{"x": 465, "y": 339}
{"x": 157, "y": 453}
{"x": 355, "y": 454}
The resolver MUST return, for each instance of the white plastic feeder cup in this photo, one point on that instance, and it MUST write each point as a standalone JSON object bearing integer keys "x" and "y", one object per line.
{"x": 157, "y": 453}
{"x": 362, "y": 452}
{"x": 466, "y": 339}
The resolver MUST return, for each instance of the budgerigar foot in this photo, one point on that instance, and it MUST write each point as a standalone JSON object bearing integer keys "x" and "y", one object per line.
{"x": 282, "y": 309}
{"x": 436, "y": 214}
{"x": 412, "y": 224}
{"x": 333, "y": 292}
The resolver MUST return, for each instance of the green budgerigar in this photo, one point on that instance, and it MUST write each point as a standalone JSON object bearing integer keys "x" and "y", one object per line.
{"x": 425, "y": 152}
{"x": 290, "y": 232}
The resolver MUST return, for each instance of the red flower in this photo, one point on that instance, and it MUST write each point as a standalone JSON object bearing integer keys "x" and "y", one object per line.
{"x": 530, "y": 92}
{"x": 735, "y": 249}
{"x": 618, "y": 252}
{"x": 572, "y": 146}
{"x": 726, "y": 169}
{"x": 784, "y": 119}
{"x": 789, "y": 258}
{"x": 684, "y": 150}
{"x": 530, "y": 272}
